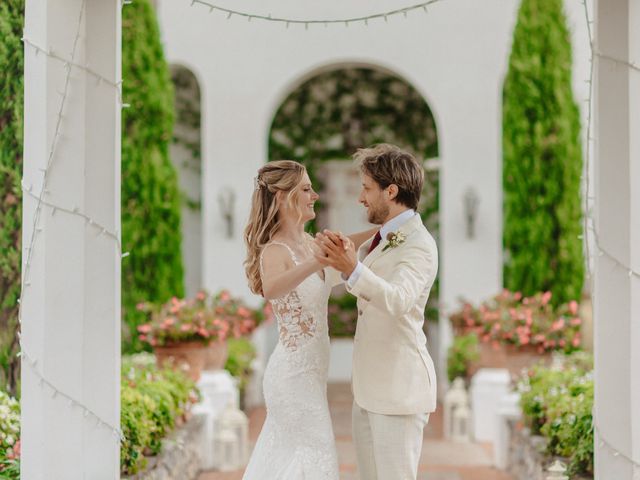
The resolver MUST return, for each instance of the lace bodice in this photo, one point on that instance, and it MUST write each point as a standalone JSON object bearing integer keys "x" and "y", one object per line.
{"x": 301, "y": 313}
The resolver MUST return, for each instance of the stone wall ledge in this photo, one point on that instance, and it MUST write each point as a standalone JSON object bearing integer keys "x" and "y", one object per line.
{"x": 180, "y": 458}
{"x": 528, "y": 459}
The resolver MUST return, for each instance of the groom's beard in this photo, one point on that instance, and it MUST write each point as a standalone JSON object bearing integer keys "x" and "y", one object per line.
{"x": 378, "y": 214}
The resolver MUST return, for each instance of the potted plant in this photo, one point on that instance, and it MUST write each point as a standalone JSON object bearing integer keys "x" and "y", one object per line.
{"x": 194, "y": 331}
{"x": 516, "y": 331}
{"x": 181, "y": 330}
{"x": 242, "y": 321}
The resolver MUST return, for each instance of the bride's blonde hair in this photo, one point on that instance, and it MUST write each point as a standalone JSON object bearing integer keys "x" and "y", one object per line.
{"x": 264, "y": 221}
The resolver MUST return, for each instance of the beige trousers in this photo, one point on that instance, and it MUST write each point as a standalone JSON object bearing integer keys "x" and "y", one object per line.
{"x": 387, "y": 446}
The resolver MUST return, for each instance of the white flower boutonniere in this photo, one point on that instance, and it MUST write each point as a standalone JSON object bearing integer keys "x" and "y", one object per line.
{"x": 394, "y": 239}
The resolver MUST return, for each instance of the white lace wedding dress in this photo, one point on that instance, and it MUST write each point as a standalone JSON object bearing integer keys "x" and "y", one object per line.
{"x": 296, "y": 441}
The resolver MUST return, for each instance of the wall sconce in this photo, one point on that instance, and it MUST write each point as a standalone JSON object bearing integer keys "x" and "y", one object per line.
{"x": 227, "y": 200}
{"x": 471, "y": 201}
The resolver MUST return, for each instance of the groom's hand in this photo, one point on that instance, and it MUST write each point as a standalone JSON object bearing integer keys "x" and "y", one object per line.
{"x": 339, "y": 251}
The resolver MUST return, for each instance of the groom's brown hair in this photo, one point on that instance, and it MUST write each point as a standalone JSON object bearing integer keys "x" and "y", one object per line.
{"x": 388, "y": 164}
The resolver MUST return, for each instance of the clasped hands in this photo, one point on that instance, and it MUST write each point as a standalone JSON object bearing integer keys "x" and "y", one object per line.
{"x": 337, "y": 251}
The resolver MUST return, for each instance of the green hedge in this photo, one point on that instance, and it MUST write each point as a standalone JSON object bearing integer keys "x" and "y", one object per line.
{"x": 150, "y": 194}
{"x": 241, "y": 354}
{"x": 557, "y": 403}
{"x": 11, "y": 118}
{"x": 152, "y": 401}
{"x": 461, "y": 353}
{"x": 542, "y": 158}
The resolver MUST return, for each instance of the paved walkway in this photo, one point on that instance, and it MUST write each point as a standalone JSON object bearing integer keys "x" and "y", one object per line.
{"x": 441, "y": 459}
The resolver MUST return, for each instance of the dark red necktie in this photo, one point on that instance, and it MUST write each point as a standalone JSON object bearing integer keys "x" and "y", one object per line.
{"x": 375, "y": 243}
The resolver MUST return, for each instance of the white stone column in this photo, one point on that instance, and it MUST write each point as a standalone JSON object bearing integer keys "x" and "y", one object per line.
{"x": 617, "y": 210}
{"x": 71, "y": 295}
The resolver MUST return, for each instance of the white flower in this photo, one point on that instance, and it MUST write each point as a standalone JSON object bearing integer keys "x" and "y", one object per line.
{"x": 395, "y": 239}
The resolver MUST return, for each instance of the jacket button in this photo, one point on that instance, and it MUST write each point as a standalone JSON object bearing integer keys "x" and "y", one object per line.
{"x": 359, "y": 312}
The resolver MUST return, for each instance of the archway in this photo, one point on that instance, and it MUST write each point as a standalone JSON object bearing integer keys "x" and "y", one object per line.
{"x": 186, "y": 155}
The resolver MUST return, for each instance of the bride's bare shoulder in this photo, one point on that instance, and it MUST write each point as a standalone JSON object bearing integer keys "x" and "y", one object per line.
{"x": 275, "y": 257}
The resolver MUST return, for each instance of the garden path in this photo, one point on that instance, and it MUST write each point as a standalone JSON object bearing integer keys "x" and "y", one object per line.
{"x": 440, "y": 460}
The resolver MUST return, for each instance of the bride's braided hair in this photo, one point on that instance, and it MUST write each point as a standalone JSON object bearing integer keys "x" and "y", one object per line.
{"x": 264, "y": 221}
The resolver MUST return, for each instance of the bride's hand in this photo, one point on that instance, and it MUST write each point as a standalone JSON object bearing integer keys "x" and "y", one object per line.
{"x": 338, "y": 238}
{"x": 339, "y": 252}
{"x": 346, "y": 241}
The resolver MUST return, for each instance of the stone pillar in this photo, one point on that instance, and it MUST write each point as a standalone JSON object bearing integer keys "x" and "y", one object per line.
{"x": 617, "y": 212}
{"x": 71, "y": 255}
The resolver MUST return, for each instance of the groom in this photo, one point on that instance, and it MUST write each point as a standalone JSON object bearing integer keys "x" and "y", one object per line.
{"x": 394, "y": 382}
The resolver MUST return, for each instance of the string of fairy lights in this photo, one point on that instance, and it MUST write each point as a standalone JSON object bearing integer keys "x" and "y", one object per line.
{"x": 70, "y": 65}
{"x": 384, "y": 16}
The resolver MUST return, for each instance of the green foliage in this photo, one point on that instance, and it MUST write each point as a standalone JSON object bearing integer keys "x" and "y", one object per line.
{"x": 11, "y": 118}
{"x": 333, "y": 114}
{"x": 152, "y": 400}
{"x": 462, "y": 352}
{"x": 9, "y": 437}
{"x": 557, "y": 403}
{"x": 343, "y": 315}
{"x": 9, "y": 469}
{"x": 150, "y": 194}
{"x": 137, "y": 427}
{"x": 241, "y": 354}
{"x": 542, "y": 158}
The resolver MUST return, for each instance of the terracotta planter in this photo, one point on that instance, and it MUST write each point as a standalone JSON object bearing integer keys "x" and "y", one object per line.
{"x": 511, "y": 357}
{"x": 187, "y": 355}
{"x": 216, "y": 356}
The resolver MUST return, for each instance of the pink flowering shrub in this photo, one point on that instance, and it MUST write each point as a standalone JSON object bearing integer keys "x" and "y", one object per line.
{"x": 533, "y": 322}
{"x": 203, "y": 318}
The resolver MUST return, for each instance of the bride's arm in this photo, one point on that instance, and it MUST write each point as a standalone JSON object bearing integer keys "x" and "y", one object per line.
{"x": 280, "y": 274}
{"x": 360, "y": 237}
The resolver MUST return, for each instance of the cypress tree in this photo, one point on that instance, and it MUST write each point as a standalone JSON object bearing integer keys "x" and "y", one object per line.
{"x": 542, "y": 158}
{"x": 150, "y": 193}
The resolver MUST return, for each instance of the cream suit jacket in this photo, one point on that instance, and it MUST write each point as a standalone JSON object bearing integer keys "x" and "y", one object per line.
{"x": 393, "y": 373}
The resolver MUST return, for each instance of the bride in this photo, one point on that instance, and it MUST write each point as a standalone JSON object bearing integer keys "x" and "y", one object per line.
{"x": 296, "y": 441}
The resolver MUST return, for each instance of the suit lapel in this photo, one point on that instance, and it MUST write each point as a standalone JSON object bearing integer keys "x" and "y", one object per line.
{"x": 409, "y": 227}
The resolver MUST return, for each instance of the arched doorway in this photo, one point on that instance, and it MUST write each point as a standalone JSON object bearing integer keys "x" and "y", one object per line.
{"x": 334, "y": 112}
{"x": 185, "y": 152}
